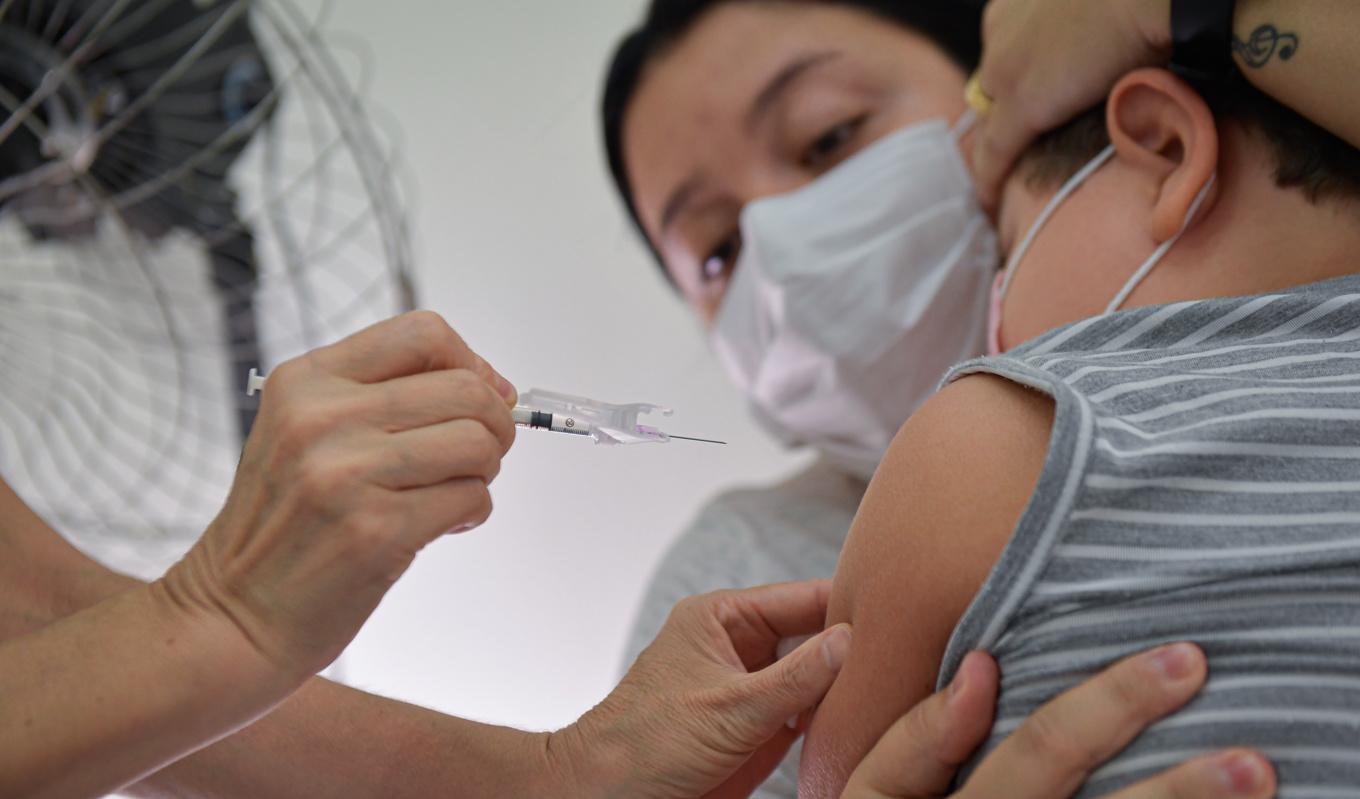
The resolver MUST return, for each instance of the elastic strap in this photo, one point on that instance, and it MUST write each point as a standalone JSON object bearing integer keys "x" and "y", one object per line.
{"x": 1161, "y": 251}
{"x": 1073, "y": 183}
{"x": 965, "y": 124}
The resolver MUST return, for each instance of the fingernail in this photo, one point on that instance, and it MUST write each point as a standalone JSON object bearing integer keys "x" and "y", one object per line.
{"x": 792, "y": 723}
{"x": 1241, "y": 773}
{"x": 1176, "y": 662}
{"x": 960, "y": 682}
{"x": 835, "y": 647}
{"x": 462, "y": 528}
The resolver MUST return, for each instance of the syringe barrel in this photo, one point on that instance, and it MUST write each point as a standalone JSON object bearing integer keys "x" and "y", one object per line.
{"x": 555, "y": 422}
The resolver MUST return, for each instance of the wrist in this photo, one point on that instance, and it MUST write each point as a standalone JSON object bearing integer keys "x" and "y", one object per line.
{"x": 585, "y": 760}
{"x": 182, "y": 598}
{"x": 216, "y": 646}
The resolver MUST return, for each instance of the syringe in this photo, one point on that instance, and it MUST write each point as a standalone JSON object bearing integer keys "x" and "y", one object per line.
{"x": 558, "y": 423}
{"x": 604, "y": 422}
{"x": 553, "y": 422}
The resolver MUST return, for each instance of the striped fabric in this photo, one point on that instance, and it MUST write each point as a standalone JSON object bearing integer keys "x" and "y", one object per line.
{"x": 1202, "y": 483}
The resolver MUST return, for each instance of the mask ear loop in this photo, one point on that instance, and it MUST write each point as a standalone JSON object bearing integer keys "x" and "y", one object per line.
{"x": 967, "y": 121}
{"x": 1065, "y": 192}
{"x": 1162, "y": 250}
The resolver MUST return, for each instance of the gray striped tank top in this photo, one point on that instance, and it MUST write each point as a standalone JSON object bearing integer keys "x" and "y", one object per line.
{"x": 1202, "y": 484}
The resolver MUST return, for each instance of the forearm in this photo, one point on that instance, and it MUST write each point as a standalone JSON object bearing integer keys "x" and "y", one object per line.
{"x": 329, "y": 740}
{"x": 325, "y": 740}
{"x": 121, "y": 689}
{"x": 1300, "y": 52}
{"x": 1304, "y": 54}
{"x": 44, "y": 579}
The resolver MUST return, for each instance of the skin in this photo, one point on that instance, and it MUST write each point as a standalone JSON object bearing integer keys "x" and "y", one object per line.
{"x": 255, "y": 755}
{"x": 690, "y": 123}
{"x": 984, "y": 431}
{"x": 1054, "y": 748}
{"x": 330, "y": 740}
{"x": 1248, "y": 227}
{"x": 688, "y": 128}
{"x": 1035, "y": 89}
{"x": 363, "y": 453}
{"x": 356, "y": 464}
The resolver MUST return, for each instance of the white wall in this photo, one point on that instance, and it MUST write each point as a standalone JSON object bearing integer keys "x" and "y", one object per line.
{"x": 524, "y": 249}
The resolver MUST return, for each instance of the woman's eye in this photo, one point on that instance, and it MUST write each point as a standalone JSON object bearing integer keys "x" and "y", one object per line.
{"x": 829, "y": 145}
{"x": 720, "y": 263}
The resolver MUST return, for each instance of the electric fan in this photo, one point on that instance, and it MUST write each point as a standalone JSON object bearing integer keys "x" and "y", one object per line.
{"x": 188, "y": 189}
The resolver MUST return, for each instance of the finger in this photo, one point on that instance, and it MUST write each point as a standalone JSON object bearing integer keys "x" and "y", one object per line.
{"x": 439, "y": 453}
{"x": 493, "y": 378}
{"x": 1000, "y": 140}
{"x": 920, "y": 754}
{"x": 1236, "y": 774}
{"x": 757, "y": 619}
{"x": 409, "y": 344}
{"x": 409, "y": 403}
{"x": 798, "y": 682}
{"x": 1055, "y": 750}
{"x": 456, "y": 506}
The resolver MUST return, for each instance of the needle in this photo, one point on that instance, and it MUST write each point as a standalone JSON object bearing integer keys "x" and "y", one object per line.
{"x": 700, "y": 440}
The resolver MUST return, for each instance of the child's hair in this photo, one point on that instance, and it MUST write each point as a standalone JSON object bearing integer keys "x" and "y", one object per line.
{"x": 1307, "y": 157}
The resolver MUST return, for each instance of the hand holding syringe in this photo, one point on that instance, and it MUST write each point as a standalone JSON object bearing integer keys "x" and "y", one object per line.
{"x": 603, "y": 422}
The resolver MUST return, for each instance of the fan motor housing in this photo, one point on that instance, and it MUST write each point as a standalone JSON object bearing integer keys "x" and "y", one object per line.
{"x": 118, "y": 77}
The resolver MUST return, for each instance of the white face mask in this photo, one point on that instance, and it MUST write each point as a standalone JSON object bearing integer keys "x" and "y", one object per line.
{"x": 854, "y": 295}
{"x": 1003, "y": 282}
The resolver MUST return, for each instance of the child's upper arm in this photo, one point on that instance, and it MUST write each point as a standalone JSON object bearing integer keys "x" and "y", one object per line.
{"x": 933, "y": 523}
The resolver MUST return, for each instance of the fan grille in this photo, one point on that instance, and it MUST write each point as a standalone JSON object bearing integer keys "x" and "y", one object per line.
{"x": 188, "y": 189}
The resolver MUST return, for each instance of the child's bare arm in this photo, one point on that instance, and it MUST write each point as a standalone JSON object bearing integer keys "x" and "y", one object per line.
{"x": 935, "y": 520}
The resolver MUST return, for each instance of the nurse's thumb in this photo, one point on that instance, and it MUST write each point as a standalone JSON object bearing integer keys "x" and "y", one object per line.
{"x": 798, "y": 681}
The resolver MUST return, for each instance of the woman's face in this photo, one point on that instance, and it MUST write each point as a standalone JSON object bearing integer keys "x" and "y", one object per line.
{"x": 758, "y": 99}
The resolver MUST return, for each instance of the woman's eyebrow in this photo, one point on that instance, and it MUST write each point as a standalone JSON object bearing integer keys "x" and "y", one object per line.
{"x": 780, "y": 83}
{"x": 680, "y": 198}
{"x": 774, "y": 89}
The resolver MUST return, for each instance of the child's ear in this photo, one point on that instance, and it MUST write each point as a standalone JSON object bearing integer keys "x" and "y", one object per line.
{"x": 1161, "y": 127}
